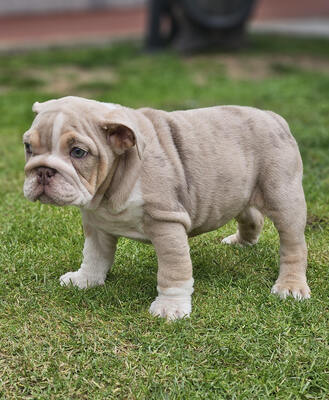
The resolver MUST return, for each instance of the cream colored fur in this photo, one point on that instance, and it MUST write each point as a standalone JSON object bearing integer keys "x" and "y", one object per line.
{"x": 163, "y": 176}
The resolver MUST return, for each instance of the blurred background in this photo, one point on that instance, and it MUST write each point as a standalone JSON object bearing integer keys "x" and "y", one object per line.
{"x": 34, "y": 23}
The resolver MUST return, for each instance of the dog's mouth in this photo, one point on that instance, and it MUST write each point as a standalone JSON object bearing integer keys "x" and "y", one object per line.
{"x": 45, "y": 199}
{"x": 49, "y": 198}
{"x": 46, "y": 195}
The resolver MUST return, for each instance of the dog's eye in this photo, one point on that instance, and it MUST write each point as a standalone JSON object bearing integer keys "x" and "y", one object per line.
{"x": 28, "y": 148}
{"x": 76, "y": 152}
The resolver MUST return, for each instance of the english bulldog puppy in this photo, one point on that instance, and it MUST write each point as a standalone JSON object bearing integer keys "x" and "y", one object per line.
{"x": 161, "y": 177}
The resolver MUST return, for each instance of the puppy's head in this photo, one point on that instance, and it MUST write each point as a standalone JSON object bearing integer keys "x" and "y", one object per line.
{"x": 71, "y": 149}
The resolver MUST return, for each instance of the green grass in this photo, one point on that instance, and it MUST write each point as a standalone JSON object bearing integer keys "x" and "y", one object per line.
{"x": 240, "y": 342}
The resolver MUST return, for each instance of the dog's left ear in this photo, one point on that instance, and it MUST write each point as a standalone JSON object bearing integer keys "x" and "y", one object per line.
{"x": 39, "y": 107}
{"x": 36, "y": 107}
{"x": 122, "y": 137}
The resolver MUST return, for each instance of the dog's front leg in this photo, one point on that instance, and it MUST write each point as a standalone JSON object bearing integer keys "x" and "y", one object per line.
{"x": 175, "y": 282}
{"x": 98, "y": 257}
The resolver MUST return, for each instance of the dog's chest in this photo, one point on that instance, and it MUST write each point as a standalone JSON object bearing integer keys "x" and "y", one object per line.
{"x": 128, "y": 222}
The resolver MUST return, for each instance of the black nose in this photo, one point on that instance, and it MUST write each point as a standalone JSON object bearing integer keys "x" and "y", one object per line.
{"x": 45, "y": 174}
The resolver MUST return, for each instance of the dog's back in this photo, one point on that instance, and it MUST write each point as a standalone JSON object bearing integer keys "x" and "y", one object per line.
{"x": 211, "y": 160}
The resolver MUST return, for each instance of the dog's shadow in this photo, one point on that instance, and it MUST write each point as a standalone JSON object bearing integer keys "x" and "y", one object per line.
{"x": 131, "y": 284}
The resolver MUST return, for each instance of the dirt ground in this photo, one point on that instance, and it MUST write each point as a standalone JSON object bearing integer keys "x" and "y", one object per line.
{"x": 75, "y": 80}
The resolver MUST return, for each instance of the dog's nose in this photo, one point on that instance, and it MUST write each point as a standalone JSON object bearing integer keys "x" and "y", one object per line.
{"x": 45, "y": 174}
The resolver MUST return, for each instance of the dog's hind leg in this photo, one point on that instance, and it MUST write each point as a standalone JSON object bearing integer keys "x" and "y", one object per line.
{"x": 250, "y": 224}
{"x": 293, "y": 253}
{"x": 286, "y": 207}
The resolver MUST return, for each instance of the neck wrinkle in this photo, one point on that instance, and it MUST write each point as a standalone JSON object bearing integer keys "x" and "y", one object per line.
{"x": 101, "y": 192}
{"x": 123, "y": 182}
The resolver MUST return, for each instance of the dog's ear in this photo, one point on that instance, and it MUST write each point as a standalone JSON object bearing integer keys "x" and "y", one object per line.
{"x": 122, "y": 136}
{"x": 36, "y": 108}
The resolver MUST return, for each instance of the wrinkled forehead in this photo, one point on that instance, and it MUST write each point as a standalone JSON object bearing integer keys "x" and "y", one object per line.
{"x": 55, "y": 130}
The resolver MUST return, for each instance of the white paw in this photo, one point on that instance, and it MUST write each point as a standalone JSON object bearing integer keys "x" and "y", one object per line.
{"x": 232, "y": 239}
{"x": 297, "y": 289}
{"x": 80, "y": 279}
{"x": 235, "y": 239}
{"x": 171, "y": 308}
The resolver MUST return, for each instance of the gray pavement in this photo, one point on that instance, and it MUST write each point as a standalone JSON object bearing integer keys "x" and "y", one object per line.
{"x": 305, "y": 27}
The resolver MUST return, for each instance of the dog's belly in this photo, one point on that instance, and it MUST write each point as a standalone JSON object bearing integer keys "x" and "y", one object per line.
{"x": 217, "y": 219}
{"x": 222, "y": 203}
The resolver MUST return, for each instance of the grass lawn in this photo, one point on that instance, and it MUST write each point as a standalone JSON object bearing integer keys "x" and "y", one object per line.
{"x": 241, "y": 342}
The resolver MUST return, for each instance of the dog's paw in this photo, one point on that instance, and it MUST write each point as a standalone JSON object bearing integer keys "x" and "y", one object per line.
{"x": 235, "y": 239}
{"x": 297, "y": 289}
{"x": 171, "y": 308}
{"x": 80, "y": 279}
{"x": 232, "y": 239}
